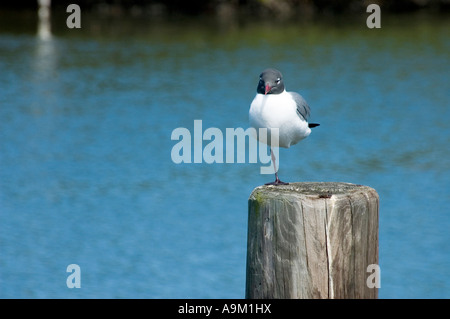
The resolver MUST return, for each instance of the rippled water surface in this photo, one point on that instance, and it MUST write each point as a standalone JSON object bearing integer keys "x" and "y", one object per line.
{"x": 86, "y": 175}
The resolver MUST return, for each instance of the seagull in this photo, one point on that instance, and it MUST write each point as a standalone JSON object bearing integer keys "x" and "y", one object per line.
{"x": 275, "y": 108}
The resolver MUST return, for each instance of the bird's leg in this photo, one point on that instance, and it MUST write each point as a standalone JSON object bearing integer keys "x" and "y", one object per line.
{"x": 277, "y": 180}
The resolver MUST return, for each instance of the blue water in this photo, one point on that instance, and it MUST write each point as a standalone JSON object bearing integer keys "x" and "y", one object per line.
{"x": 86, "y": 175}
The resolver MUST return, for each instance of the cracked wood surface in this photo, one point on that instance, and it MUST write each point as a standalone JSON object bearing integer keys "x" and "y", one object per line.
{"x": 311, "y": 240}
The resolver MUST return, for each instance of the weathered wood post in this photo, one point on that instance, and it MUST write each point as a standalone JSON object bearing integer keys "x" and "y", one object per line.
{"x": 312, "y": 240}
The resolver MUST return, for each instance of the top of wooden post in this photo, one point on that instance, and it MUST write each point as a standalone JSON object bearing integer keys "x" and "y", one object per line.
{"x": 319, "y": 189}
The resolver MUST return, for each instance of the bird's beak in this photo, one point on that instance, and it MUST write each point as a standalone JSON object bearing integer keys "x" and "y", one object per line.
{"x": 268, "y": 88}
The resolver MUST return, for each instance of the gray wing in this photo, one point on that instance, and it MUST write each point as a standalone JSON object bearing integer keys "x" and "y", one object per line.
{"x": 303, "y": 109}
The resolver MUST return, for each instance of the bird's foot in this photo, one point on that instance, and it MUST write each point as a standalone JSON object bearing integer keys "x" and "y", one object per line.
{"x": 277, "y": 182}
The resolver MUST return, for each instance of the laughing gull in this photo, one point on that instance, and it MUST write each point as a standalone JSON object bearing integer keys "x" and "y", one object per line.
{"x": 274, "y": 107}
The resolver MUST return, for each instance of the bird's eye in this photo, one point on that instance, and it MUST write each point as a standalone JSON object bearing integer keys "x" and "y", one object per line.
{"x": 278, "y": 81}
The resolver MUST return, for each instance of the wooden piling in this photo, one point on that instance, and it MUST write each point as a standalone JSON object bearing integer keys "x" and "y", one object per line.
{"x": 312, "y": 240}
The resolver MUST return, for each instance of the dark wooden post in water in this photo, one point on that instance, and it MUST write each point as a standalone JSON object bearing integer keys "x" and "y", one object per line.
{"x": 312, "y": 240}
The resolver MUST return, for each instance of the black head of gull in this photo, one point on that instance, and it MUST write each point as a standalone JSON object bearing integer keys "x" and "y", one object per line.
{"x": 270, "y": 82}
